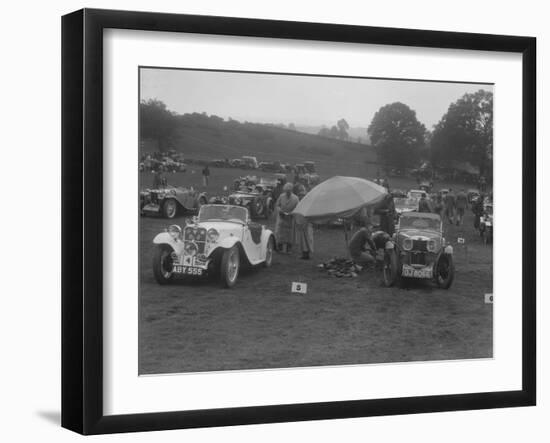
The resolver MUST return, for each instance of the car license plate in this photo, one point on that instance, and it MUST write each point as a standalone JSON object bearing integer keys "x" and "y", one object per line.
{"x": 187, "y": 270}
{"x": 416, "y": 273}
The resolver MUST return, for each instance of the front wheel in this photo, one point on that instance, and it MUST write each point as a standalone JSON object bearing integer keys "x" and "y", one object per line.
{"x": 229, "y": 269}
{"x": 170, "y": 208}
{"x": 445, "y": 271}
{"x": 163, "y": 264}
{"x": 391, "y": 270}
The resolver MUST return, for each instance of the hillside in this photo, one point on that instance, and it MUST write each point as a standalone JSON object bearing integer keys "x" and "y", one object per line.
{"x": 200, "y": 136}
{"x": 354, "y": 132}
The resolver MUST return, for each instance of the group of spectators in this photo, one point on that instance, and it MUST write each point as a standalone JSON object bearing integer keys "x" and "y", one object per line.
{"x": 450, "y": 206}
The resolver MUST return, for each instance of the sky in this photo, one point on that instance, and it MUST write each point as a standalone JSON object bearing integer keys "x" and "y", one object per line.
{"x": 302, "y": 100}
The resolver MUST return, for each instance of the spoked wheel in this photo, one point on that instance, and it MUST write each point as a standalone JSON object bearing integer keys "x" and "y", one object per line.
{"x": 230, "y": 267}
{"x": 269, "y": 252}
{"x": 445, "y": 271}
{"x": 391, "y": 270}
{"x": 258, "y": 207}
{"x": 163, "y": 264}
{"x": 170, "y": 208}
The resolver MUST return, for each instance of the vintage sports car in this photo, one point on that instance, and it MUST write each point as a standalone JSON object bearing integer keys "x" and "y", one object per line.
{"x": 258, "y": 199}
{"x": 170, "y": 200}
{"x": 247, "y": 180}
{"x": 473, "y": 195}
{"x": 486, "y": 223}
{"x": 218, "y": 242}
{"x": 418, "y": 250}
{"x": 404, "y": 205}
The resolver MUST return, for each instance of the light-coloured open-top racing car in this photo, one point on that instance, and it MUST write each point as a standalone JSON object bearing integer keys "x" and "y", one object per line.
{"x": 218, "y": 241}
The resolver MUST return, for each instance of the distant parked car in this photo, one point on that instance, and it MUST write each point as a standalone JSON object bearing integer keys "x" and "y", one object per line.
{"x": 418, "y": 250}
{"x": 310, "y": 167}
{"x": 169, "y": 201}
{"x": 250, "y": 162}
{"x": 237, "y": 163}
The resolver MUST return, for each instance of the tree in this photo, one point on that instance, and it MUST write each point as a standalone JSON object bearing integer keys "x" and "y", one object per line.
{"x": 465, "y": 132}
{"x": 156, "y": 122}
{"x": 292, "y": 126}
{"x": 342, "y": 129}
{"x": 397, "y": 135}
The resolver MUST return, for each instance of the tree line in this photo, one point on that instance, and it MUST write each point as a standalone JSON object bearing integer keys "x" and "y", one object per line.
{"x": 464, "y": 134}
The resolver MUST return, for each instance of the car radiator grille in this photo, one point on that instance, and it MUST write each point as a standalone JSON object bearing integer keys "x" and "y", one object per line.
{"x": 197, "y": 236}
{"x": 420, "y": 245}
{"x": 418, "y": 258}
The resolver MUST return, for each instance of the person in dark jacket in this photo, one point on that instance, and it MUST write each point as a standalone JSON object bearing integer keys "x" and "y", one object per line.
{"x": 386, "y": 211}
{"x": 424, "y": 204}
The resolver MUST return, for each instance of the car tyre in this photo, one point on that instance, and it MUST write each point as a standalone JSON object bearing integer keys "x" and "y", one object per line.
{"x": 162, "y": 264}
{"x": 229, "y": 267}
{"x": 170, "y": 208}
{"x": 258, "y": 207}
{"x": 391, "y": 269}
{"x": 445, "y": 271}
{"x": 270, "y": 248}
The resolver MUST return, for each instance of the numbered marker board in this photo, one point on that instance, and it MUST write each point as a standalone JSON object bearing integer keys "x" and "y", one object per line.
{"x": 299, "y": 288}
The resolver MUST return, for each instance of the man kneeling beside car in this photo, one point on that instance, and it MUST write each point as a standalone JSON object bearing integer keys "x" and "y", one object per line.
{"x": 364, "y": 244}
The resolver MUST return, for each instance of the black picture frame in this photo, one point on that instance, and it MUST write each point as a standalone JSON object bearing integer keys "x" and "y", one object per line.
{"x": 82, "y": 218}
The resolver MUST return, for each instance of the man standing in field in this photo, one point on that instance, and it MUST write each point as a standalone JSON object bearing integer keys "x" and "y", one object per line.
{"x": 424, "y": 204}
{"x": 450, "y": 201}
{"x": 205, "y": 175}
{"x": 284, "y": 206}
{"x": 159, "y": 180}
{"x": 386, "y": 211}
{"x": 304, "y": 232}
{"x": 461, "y": 205}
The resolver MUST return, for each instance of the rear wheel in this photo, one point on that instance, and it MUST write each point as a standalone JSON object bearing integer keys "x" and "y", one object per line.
{"x": 170, "y": 208}
{"x": 229, "y": 269}
{"x": 445, "y": 271}
{"x": 391, "y": 270}
{"x": 163, "y": 264}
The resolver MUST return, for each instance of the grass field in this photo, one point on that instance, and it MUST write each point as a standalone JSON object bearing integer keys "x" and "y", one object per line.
{"x": 199, "y": 326}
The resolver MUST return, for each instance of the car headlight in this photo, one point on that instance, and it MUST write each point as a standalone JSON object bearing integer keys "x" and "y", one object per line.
{"x": 238, "y": 200}
{"x": 407, "y": 244}
{"x": 174, "y": 231}
{"x": 212, "y": 235}
{"x": 432, "y": 245}
{"x": 190, "y": 248}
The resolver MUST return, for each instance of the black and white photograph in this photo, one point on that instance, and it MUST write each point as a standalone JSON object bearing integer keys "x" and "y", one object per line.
{"x": 291, "y": 221}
